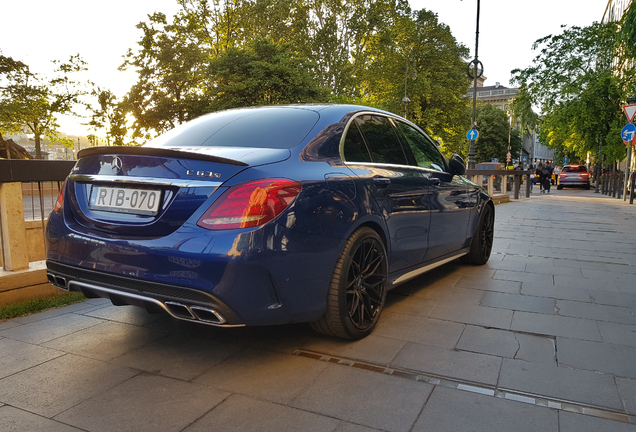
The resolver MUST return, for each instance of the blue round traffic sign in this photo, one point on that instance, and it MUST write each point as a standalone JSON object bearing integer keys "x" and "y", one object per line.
{"x": 472, "y": 134}
{"x": 628, "y": 133}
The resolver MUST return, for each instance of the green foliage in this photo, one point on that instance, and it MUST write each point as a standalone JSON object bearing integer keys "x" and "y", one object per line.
{"x": 172, "y": 76}
{"x": 581, "y": 95}
{"x": 217, "y": 54}
{"x": 263, "y": 73}
{"x": 18, "y": 309}
{"x": 494, "y": 134}
{"x": 109, "y": 115}
{"x": 627, "y": 34}
{"x": 29, "y": 103}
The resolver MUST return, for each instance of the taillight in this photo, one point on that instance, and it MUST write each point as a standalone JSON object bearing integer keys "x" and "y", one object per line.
{"x": 251, "y": 204}
{"x": 60, "y": 199}
{"x": 563, "y": 175}
{"x": 584, "y": 174}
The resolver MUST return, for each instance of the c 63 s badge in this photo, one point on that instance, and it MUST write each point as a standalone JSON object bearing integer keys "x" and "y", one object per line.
{"x": 209, "y": 174}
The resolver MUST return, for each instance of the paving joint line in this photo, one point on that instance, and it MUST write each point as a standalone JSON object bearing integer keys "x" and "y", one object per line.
{"x": 478, "y": 388}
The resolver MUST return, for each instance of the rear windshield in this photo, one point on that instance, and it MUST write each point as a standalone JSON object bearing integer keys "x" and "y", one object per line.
{"x": 578, "y": 168}
{"x": 279, "y": 128}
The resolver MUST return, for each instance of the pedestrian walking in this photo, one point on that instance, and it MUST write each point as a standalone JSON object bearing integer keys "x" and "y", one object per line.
{"x": 532, "y": 174}
{"x": 547, "y": 176}
{"x": 539, "y": 174}
{"x": 557, "y": 171}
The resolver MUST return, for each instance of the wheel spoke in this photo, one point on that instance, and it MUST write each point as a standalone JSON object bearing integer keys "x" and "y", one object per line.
{"x": 366, "y": 283}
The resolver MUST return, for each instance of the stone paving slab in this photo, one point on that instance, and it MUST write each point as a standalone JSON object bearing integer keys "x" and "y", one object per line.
{"x": 16, "y": 356}
{"x": 627, "y": 389}
{"x": 104, "y": 341}
{"x": 265, "y": 375}
{"x": 532, "y": 278}
{"x": 454, "y": 294}
{"x": 570, "y": 422}
{"x": 451, "y": 410}
{"x": 614, "y": 299}
{"x": 230, "y": 416}
{"x": 555, "y": 292}
{"x": 473, "y": 367}
{"x": 422, "y": 330}
{"x": 170, "y": 406}
{"x": 366, "y": 398}
{"x": 615, "y": 314}
{"x": 488, "y": 284}
{"x": 618, "y": 360}
{"x": 518, "y": 302}
{"x": 16, "y": 420}
{"x": 476, "y": 315}
{"x": 178, "y": 356}
{"x": 554, "y": 325}
{"x": 373, "y": 348}
{"x": 495, "y": 342}
{"x": 559, "y": 382}
{"x": 57, "y": 385}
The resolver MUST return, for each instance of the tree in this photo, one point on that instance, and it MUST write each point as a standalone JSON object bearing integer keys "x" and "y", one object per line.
{"x": 579, "y": 92}
{"x": 34, "y": 104}
{"x": 420, "y": 52}
{"x": 109, "y": 115}
{"x": 627, "y": 34}
{"x": 264, "y": 73}
{"x": 172, "y": 76}
{"x": 494, "y": 134}
{"x": 356, "y": 48}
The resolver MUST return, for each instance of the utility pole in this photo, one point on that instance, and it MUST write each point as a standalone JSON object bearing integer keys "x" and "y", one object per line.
{"x": 475, "y": 63}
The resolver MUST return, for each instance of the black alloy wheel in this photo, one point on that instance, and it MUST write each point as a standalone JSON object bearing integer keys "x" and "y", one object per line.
{"x": 358, "y": 288}
{"x": 481, "y": 246}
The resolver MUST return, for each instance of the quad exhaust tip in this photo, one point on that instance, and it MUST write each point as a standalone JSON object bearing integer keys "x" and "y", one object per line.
{"x": 196, "y": 313}
{"x": 58, "y": 281}
{"x": 118, "y": 298}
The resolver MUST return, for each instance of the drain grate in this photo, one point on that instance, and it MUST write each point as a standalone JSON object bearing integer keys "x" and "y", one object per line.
{"x": 513, "y": 395}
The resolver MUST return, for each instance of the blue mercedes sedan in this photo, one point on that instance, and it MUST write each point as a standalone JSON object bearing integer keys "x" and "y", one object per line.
{"x": 267, "y": 215}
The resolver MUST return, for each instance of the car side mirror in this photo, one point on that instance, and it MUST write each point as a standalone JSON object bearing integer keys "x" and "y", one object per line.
{"x": 457, "y": 165}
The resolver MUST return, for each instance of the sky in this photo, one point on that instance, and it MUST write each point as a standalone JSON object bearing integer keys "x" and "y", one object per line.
{"x": 38, "y": 31}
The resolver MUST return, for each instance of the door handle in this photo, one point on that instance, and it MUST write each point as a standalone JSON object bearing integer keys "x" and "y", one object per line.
{"x": 381, "y": 182}
{"x": 435, "y": 181}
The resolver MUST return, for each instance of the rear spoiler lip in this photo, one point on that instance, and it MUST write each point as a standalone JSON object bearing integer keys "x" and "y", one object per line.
{"x": 156, "y": 151}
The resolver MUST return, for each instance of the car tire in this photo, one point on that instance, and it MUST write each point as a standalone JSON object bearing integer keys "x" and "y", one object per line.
{"x": 481, "y": 245}
{"x": 357, "y": 291}
{"x": 587, "y": 187}
{"x": 559, "y": 187}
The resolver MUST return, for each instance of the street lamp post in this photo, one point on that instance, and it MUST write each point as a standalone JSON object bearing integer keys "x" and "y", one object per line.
{"x": 405, "y": 99}
{"x": 475, "y": 63}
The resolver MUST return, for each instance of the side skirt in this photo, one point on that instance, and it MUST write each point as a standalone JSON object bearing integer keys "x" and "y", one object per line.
{"x": 408, "y": 274}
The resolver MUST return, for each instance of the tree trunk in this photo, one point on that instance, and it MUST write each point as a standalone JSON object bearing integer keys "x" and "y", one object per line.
{"x": 38, "y": 151}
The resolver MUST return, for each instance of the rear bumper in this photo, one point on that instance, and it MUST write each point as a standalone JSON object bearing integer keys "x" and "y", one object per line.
{"x": 180, "y": 302}
{"x": 574, "y": 183}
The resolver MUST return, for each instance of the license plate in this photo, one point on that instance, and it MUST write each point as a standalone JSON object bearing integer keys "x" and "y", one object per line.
{"x": 125, "y": 200}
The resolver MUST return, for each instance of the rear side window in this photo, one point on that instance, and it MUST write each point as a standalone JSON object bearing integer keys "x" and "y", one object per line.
{"x": 577, "y": 168}
{"x": 425, "y": 152}
{"x": 279, "y": 128}
{"x": 355, "y": 150}
{"x": 381, "y": 139}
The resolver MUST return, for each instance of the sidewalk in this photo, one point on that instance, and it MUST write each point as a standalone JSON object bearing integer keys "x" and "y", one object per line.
{"x": 542, "y": 338}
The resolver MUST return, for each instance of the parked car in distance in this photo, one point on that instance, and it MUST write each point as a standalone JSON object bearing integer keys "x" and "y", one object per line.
{"x": 268, "y": 215}
{"x": 574, "y": 176}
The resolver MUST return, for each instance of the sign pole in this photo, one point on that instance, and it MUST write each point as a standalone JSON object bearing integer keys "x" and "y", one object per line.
{"x": 628, "y": 164}
{"x": 598, "y": 164}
